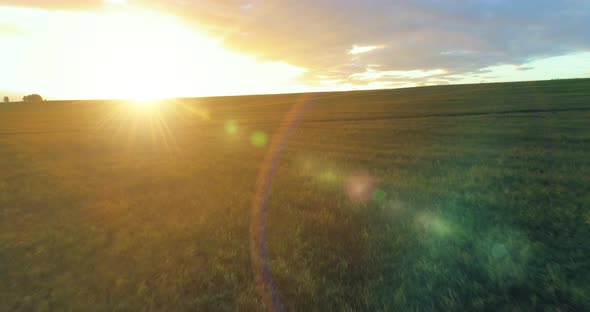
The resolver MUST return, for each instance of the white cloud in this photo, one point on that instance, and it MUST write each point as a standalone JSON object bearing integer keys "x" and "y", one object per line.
{"x": 457, "y": 52}
{"x": 362, "y": 49}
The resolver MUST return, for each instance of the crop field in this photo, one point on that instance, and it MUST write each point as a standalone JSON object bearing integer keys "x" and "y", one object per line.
{"x": 470, "y": 197}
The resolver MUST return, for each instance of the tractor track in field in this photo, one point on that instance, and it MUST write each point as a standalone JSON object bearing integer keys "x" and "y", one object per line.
{"x": 344, "y": 119}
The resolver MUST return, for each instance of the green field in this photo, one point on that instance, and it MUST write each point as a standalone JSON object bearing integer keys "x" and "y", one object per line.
{"x": 479, "y": 200}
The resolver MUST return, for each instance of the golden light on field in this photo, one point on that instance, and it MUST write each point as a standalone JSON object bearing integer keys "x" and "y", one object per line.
{"x": 144, "y": 105}
{"x": 125, "y": 52}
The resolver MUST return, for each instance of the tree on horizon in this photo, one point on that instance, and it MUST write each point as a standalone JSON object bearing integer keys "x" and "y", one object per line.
{"x": 33, "y": 98}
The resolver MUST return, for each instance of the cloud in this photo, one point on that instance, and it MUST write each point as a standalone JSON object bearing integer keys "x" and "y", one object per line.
{"x": 457, "y": 36}
{"x": 329, "y": 37}
{"x": 362, "y": 49}
{"x": 372, "y": 74}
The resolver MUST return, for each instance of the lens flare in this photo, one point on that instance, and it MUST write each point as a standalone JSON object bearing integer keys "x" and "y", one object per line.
{"x": 197, "y": 110}
{"x": 258, "y": 249}
{"x": 329, "y": 176}
{"x": 379, "y": 196}
{"x": 435, "y": 224}
{"x": 499, "y": 250}
{"x": 259, "y": 139}
{"x": 395, "y": 206}
{"x": 231, "y": 127}
{"x": 360, "y": 187}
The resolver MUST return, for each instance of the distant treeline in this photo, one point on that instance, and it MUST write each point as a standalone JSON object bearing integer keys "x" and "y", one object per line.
{"x": 31, "y": 98}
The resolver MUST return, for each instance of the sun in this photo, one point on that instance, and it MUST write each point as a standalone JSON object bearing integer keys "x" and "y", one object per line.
{"x": 144, "y": 105}
{"x": 125, "y": 51}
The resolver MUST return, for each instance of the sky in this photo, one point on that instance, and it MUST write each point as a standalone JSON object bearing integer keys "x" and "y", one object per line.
{"x": 94, "y": 49}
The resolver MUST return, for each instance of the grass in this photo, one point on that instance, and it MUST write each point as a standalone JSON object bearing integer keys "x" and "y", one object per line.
{"x": 479, "y": 201}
